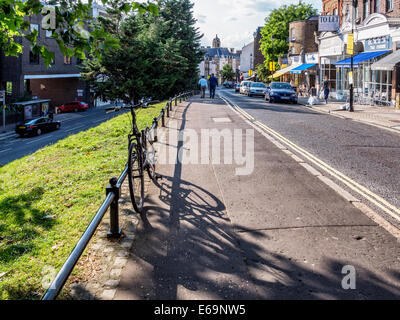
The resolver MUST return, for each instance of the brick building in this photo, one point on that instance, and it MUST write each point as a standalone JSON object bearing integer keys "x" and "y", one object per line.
{"x": 258, "y": 56}
{"x": 27, "y": 76}
{"x": 376, "y": 28}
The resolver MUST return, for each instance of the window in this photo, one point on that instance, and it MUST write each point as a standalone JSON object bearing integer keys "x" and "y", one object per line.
{"x": 365, "y": 9}
{"x": 335, "y": 12}
{"x": 9, "y": 87}
{"x": 292, "y": 34}
{"x": 67, "y": 60}
{"x": 49, "y": 33}
{"x": 377, "y": 6}
{"x": 33, "y": 57}
{"x": 356, "y": 10}
{"x": 35, "y": 26}
{"x": 389, "y": 5}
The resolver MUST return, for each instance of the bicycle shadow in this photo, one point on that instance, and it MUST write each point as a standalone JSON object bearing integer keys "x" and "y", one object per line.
{"x": 187, "y": 249}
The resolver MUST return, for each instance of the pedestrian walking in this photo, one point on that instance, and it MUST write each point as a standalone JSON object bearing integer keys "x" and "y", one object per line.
{"x": 326, "y": 89}
{"x": 213, "y": 83}
{"x": 203, "y": 86}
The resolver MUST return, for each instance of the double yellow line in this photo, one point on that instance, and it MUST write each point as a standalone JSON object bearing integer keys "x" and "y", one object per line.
{"x": 356, "y": 187}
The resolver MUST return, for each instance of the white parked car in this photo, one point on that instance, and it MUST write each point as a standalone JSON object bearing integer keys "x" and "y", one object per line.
{"x": 243, "y": 87}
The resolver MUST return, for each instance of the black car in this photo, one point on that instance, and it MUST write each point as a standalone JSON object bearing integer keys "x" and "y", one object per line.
{"x": 37, "y": 126}
{"x": 282, "y": 92}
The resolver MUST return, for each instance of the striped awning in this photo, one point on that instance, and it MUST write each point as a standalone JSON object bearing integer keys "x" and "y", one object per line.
{"x": 283, "y": 71}
{"x": 387, "y": 63}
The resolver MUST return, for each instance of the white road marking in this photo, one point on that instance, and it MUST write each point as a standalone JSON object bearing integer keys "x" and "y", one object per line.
{"x": 37, "y": 140}
{"x": 1, "y": 151}
{"x": 356, "y": 187}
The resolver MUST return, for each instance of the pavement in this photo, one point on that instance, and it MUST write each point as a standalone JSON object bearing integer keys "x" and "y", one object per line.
{"x": 387, "y": 117}
{"x": 278, "y": 232}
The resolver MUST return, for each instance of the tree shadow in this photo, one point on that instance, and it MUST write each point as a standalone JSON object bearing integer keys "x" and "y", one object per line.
{"x": 192, "y": 251}
{"x": 21, "y": 223}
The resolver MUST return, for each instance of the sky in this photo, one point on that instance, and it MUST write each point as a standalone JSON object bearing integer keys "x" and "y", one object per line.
{"x": 235, "y": 21}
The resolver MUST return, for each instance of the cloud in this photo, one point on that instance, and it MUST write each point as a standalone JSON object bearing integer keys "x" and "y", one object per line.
{"x": 201, "y": 18}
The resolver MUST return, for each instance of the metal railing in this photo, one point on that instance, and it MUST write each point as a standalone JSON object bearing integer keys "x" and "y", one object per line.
{"x": 113, "y": 194}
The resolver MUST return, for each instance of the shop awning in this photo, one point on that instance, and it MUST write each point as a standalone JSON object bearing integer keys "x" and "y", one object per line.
{"x": 365, "y": 56}
{"x": 302, "y": 67}
{"x": 387, "y": 63}
{"x": 283, "y": 71}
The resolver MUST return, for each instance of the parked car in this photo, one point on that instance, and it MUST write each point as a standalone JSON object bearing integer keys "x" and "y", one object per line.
{"x": 37, "y": 126}
{"x": 228, "y": 84}
{"x": 256, "y": 89}
{"x": 74, "y": 106}
{"x": 280, "y": 92}
{"x": 243, "y": 87}
{"x": 237, "y": 87}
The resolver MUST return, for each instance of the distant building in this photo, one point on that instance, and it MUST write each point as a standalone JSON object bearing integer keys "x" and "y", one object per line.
{"x": 247, "y": 59}
{"x": 217, "y": 57}
{"x": 27, "y": 75}
{"x": 258, "y": 55}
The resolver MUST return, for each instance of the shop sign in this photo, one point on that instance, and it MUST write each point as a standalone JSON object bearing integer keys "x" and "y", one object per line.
{"x": 328, "y": 23}
{"x": 378, "y": 43}
{"x": 295, "y": 59}
{"x": 311, "y": 58}
{"x": 80, "y": 93}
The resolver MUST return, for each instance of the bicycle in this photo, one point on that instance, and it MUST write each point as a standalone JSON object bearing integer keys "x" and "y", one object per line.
{"x": 141, "y": 155}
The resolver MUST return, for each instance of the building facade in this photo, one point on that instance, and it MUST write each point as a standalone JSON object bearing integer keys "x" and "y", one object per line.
{"x": 247, "y": 59}
{"x": 216, "y": 57}
{"x": 376, "y": 28}
{"x": 26, "y": 77}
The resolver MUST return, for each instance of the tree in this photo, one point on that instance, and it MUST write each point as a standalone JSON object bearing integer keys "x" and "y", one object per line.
{"x": 262, "y": 72}
{"x": 151, "y": 60}
{"x": 227, "y": 72}
{"x": 69, "y": 21}
{"x": 275, "y": 33}
{"x": 179, "y": 26}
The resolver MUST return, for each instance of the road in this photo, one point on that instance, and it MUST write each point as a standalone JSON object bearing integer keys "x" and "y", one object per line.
{"x": 71, "y": 123}
{"x": 368, "y": 155}
{"x": 278, "y": 232}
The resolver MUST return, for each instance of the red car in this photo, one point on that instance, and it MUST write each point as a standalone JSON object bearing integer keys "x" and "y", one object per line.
{"x": 74, "y": 106}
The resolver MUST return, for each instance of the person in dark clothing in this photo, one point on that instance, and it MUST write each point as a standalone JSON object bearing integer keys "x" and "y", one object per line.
{"x": 213, "y": 83}
{"x": 326, "y": 89}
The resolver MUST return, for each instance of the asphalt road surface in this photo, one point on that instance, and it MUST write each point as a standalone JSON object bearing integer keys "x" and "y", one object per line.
{"x": 15, "y": 147}
{"x": 368, "y": 155}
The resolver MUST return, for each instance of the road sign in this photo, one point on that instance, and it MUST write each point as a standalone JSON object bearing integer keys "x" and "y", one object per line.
{"x": 250, "y": 73}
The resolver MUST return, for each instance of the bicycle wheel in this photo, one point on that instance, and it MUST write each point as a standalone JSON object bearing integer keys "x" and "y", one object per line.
{"x": 150, "y": 153}
{"x": 135, "y": 176}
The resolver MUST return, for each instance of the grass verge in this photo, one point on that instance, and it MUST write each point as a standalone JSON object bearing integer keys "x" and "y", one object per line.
{"x": 48, "y": 198}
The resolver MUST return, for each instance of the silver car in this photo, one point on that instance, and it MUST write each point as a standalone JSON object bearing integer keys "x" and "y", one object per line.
{"x": 256, "y": 89}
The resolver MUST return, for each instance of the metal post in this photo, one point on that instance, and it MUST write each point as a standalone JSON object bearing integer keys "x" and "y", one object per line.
{"x": 163, "y": 118}
{"x": 351, "y": 109}
{"x": 3, "y": 106}
{"x": 168, "y": 107}
{"x": 176, "y": 101}
{"x": 155, "y": 130}
{"x": 115, "y": 231}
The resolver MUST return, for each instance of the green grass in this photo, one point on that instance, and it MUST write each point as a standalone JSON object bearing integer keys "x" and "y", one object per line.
{"x": 48, "y": 198}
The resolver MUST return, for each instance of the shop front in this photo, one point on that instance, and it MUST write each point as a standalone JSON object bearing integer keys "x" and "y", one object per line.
{"x": 305, "y": 75}
{"x": 331, "y": 50}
